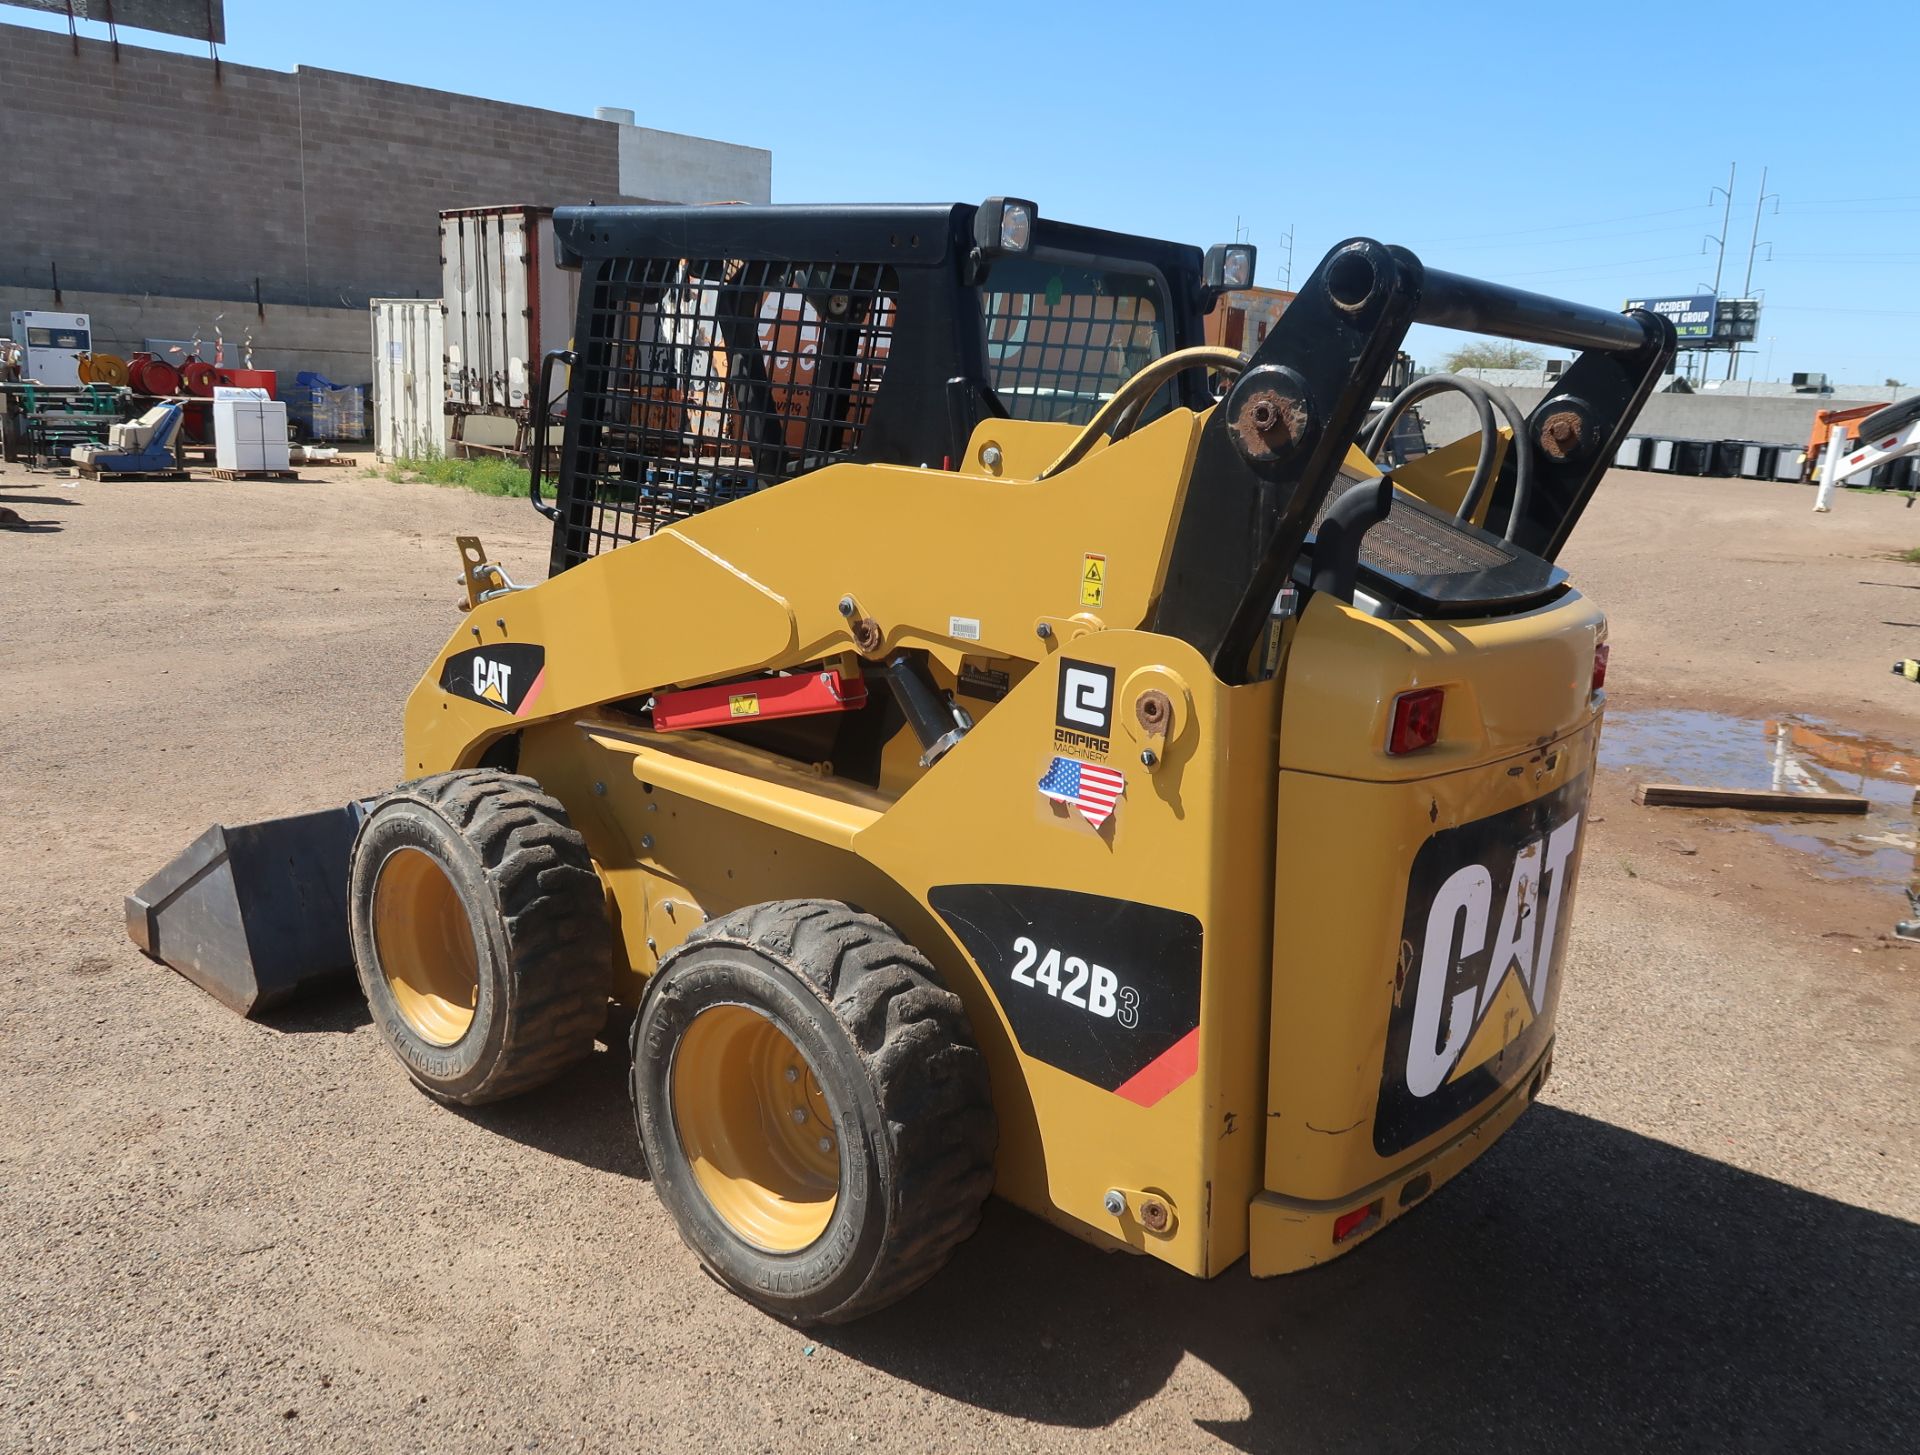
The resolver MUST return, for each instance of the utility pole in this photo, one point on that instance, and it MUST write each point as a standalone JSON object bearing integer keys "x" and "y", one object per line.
{"x": 1725, "y": 218}
{"x": 1746, "y": 289}
{"x": 1753, "y": 248}
{"x": 1720, "y": 263}
{"x": 1287, "y": 241}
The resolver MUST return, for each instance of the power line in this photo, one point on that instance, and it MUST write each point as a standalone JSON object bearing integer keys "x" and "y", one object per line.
{"x": 1822, "y": 308}
{"x": 1838, "y": 201}
{"x": 1609, "y": 267}
{"x": 1594, "y": 238}
{"x": 1562, "y": 226}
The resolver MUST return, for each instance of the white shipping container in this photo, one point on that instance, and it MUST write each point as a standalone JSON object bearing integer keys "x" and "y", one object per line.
{"x": 508, "y": 303}
{"x": 409, "y": 377}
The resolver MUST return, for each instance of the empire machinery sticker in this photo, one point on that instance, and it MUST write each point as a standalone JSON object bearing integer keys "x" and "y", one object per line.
{"x": 1079, "y": 774}
{"x": 508, "y": 676}
{"x": 1479, "y": 971}
{"x": 1107, "y": 990}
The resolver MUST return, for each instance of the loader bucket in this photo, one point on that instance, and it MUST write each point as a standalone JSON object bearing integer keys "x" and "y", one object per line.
{"x": 254, "y": 914}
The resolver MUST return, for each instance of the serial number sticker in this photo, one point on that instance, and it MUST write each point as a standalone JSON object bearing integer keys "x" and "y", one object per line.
{"x": 964, "y": 628}
{"x": 1093, "y": 988}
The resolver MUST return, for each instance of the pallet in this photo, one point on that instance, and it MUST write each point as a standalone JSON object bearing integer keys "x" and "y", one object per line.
{"x": 131, "y": 475}
{"x": 1683, "y": 795}
{"x": 255, "y": 474}
{"x": 335, "y": 462}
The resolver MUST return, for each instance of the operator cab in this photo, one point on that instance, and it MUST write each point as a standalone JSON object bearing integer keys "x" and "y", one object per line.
{"x": 720, "y": 357}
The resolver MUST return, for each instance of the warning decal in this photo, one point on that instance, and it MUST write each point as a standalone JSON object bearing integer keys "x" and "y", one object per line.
{"x": 1093, "y": 580}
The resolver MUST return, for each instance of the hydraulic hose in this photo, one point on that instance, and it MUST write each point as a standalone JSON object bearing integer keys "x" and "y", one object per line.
{"x": 1132, "y": 396}
{"x": 1484, "y": 401}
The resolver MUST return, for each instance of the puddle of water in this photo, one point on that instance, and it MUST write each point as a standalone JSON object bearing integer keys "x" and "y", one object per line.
{"x": 1791, "y": 754}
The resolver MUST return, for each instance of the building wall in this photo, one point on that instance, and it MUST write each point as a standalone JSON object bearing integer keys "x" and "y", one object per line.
{"x": 286, "y": 337}
{"x": 162, "y": 192}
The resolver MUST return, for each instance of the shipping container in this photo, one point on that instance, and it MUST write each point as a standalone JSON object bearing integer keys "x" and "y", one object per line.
{"x": 508, "y": 303}
{"x": 409, "y": 377}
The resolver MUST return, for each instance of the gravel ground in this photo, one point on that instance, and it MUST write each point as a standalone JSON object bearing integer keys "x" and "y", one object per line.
{"x": 219, "y": 1235}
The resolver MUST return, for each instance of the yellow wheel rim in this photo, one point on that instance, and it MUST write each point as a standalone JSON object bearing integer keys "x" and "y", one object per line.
{"x": 425, "y": 944}
{"x": 756, "y": 1127}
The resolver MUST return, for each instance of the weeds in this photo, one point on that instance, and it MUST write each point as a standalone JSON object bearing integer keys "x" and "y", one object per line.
{"x": 1911, "y": 557}
{"x": 486, "y": 475}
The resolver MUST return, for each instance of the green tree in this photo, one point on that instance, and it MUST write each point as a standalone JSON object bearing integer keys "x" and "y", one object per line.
{"x": 1492, "y": 354}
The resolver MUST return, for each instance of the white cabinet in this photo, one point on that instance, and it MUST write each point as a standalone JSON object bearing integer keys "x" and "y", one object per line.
{"x": 249, "y": 430}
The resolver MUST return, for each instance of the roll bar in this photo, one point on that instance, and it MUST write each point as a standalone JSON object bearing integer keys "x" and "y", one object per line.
{"x": 1448, "y": 300}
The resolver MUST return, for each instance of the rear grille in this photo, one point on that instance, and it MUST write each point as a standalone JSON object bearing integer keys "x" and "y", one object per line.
{"x": 1408, "y": 543}
{"x": 703, "y": 381}
{"x": 1413, "y": 541}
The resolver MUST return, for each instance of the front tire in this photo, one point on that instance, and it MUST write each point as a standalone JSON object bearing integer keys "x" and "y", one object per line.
{"x": 480, "y": 933}
{"x": 813, "y": 1108}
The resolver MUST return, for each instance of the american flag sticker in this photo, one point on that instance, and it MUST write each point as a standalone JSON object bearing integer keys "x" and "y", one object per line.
{"x": 1090, "y": 787}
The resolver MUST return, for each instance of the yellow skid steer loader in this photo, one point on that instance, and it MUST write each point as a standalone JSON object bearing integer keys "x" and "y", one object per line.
{"x": 981, "y": 739}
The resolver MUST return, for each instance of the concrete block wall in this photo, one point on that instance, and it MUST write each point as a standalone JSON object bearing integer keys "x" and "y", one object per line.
{"x": 1773, "y": 420}
{"x": 335, "y": 342}
{"x": 147, "y": 178}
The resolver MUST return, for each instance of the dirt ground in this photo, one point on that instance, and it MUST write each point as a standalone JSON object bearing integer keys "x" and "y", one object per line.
{"x": 220, "y": 1235}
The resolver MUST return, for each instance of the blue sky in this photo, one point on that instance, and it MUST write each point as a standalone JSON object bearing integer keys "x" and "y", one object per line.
{"x": 1565, "y": 149}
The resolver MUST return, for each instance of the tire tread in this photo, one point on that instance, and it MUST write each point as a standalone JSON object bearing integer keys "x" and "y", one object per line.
{"x": 553, "y": 910}
{"x": 929, "y": 1077}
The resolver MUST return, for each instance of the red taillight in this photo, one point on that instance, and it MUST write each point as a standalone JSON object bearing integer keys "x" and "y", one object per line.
{"x": 1600, "y": 665}
{"x": 1416, "y": 720}
{"x": 1349, "y": 1223}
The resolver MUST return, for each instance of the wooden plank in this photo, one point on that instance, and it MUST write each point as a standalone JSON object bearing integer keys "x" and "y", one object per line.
{"x": 133, "y": 476}
{"x": 1766, "y": 800}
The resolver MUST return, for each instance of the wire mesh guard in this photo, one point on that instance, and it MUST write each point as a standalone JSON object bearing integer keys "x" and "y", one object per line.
{"x": 702, "y": 381}
{"x": 1061, "y": 339}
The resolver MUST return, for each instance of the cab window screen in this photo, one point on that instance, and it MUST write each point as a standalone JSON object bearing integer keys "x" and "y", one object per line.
{"x": 702, "y": 381}
{"x": 1061, "y": 337}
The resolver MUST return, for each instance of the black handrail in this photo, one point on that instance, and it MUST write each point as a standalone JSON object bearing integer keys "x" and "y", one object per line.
{"x": 1448, "y": 300}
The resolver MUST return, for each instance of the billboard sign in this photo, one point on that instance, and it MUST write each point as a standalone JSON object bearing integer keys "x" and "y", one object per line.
{"x": 1692, "y": 318}
{"x": 1738, "y": 321}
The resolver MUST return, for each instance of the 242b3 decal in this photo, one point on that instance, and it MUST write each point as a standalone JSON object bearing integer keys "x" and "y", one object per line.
{"x": 1104, "y": 989}
{"x": 1479, "y": 974}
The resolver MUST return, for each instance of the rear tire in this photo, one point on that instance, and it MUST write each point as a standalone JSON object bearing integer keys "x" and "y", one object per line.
{"x": 480, "y": 933}
{"x": 813, "y": 1108}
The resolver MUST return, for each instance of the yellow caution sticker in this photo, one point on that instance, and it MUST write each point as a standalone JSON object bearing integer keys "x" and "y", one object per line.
{"x": 746, "y": 704}
{"x": 1093, "y": 580}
